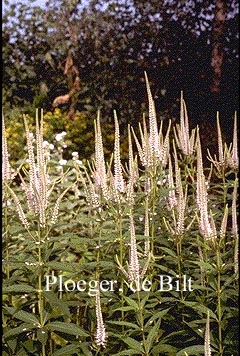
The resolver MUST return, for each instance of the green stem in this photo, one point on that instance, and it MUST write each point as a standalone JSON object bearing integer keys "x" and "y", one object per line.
{"x": 141, "y": 322}
{"x": 6, "y": 234}
{"x": 119, "y": 227}
{"x": 40, "y": 276}
{"x": 219, "y": 306}
{"x": 153, "y": 195}
{"x": 179, "y": 263}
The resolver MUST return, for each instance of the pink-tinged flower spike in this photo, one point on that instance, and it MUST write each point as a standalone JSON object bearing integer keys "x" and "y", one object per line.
{"x": 100, "y": 173}
{"x": 143, "y": 151}
{"x": 101, "y": 335}
{"x": 133, "y": 172}
{"x": 19, "y": 208}
{"x": 6, "y": 168}
{"x": 57, "y": 205}
{"x": 178, "y": 181}
{"x": 223, "y": 227}
{"x": 164, "y": 144}
{"x": 133, "y": 274}
{"x": 207, "y": 229}
{"x": 119, "y": 183}
{"x": 146, "y": 230}
{"x": 184, "y": 141}
{"x": 172, "y": 200}
{"x": 233, "y": 155}
{"x": 207, "y": 341}
{"x": 134, "y": 270}
{"x": 153, "y": 127}
{"x": 221, "y": 162}
{"x": 90, "y": 190}
{"x": 234, "y": 224}
{"x": 37, "y": 189}
{"x": 220, "y": 145}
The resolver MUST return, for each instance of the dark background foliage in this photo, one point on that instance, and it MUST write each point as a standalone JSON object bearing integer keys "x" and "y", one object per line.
{"x": 82, "y": 56}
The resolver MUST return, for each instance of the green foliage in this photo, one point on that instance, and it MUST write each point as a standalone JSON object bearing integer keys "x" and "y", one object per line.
{"x": 81, "y": 246}
{"x": 79, "y": 134}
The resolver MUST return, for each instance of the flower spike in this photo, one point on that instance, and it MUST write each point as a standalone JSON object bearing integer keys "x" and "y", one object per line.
{"x": 6, "y": 168}
{"x": 101, "y": 335}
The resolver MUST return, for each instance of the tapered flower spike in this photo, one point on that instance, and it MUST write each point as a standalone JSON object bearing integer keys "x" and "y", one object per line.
{"x": 183, "y": 140}
{"x": 19, "y": 208}
{"x": 220, "y": 144}
{"x": 101, "y": 335}
{"x": 6, "y": 168}
{"x": 153, "y": 127}
{"x": 223, "y": 227}
{"x": 233, "y": 155}
{"x": 221, "y": 162}
{"x": 207, "y": 341}
{"x": 133, "y": 274}
{"x": 133, "y": 173}
{"x": 119, "y": 182}
{"x": 180, "y": 228}
{"x": 90, "y": 190}
{"x": 207, "y": 226}
{"x": 172, "y": 200}
{"x": 100, "y": 173}
{"x": 133, "y": 260}
{"x": 37, "y": 189}
{"x": 142, "y": 150}
{"x": 57, "y": 205}
{"x": 164, "y": 145}
{"x": 146, "y": 230}
{"x": 178, "y": 183}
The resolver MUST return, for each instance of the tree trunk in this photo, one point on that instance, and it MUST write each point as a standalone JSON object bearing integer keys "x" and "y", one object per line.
{"x": 217, "y": 51}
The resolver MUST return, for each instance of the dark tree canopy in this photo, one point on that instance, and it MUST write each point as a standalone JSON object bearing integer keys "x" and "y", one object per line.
{"x": 82, "y": 58}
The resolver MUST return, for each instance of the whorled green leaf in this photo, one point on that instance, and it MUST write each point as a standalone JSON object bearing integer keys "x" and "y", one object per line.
{"x": 56, "y": 303}
{"x": 152, "y": 335}
{"x": 42, "y": 335}
{"x": 68, "y": 328}
{"x": 63, "y": 266}
{"x": 134, "y": 344}
{"x": 23, "y": 328}
{"x": 27, "y": 317}
{"x": 67, "y": 350}
{"x": 156, "y": 316}
{"x": 18, "y": 288}
{"x": 200, "y": 308}
{"x": 131, "y": 302}
{"x": 124, "y": 323}
{"x": 162, "y": 347}
{"x": 195, "y": 350}
{"x": 127, "y": 352}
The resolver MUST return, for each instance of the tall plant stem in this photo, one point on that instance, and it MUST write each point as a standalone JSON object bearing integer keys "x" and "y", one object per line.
{"x": 153, "y": 208}
{"x": 179, "y": 262}
{"x": 6, "y": 235}
{"x": 40, "y": 277}
{"x": 119, "y": 230}
{"x": 141, "y": 322}
{"x": 224, "y": 186}
{"x": 219, "y": 306}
